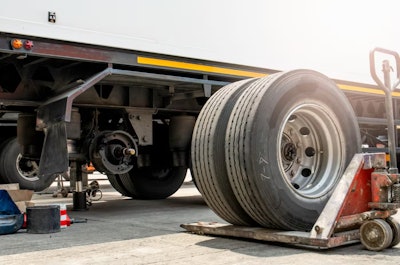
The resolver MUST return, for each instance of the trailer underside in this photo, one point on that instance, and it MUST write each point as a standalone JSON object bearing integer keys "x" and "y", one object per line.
{"x": 129, "y": 113}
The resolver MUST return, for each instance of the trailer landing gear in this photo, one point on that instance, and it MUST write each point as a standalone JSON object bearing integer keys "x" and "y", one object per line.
{"x": 79, "y": 195}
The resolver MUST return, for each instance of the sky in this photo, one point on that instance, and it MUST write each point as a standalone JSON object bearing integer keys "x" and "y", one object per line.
{"x": 334, "y": 37}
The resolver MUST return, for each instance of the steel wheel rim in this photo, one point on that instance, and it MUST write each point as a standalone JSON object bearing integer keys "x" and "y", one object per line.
{"x": 28, "y": 169}
{"x": 310, "y": 150}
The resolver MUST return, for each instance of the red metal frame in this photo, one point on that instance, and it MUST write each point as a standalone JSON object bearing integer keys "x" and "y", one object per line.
{"x": 350, "y": 205}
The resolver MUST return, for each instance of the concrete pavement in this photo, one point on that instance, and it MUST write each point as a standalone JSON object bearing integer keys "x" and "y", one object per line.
{"x": 120, "y": 230}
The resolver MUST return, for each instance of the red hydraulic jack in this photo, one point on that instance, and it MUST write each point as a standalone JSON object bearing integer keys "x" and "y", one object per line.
{"x": 361, "y": 205}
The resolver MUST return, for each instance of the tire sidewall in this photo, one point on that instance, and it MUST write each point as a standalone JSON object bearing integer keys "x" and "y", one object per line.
{"x": 290, "y": 90}
{"x": 10, "y": 172}
{"x": 150, "y": 187}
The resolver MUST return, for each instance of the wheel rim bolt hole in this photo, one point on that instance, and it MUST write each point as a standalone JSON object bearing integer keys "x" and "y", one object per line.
{"x": 292, "y": 118}
{"x": 304, "y": 131}
{"x": 310, "y": 151}
{"x": 306, "y": 172}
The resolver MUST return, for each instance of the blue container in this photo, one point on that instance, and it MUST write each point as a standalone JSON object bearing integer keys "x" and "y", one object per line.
{"x": 11, "y": 219}
{"x": 11, "y": 223}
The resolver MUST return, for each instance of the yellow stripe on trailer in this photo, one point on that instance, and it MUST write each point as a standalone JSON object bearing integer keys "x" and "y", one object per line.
{"x": 236, "y": 72}
{"x": 197, "y": 67}
{"x": 366, "y": 90}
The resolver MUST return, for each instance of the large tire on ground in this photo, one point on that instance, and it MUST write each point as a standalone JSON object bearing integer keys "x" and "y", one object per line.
{"x": 157, "y": 181}
{"x": 208, "y": 155}
{"x": 16, "y": 169}
{"x": 152, "y": 183}
{"x": 116, "y": 183}
{"x": 289, "y": 139}
{"x": 2, "y": 144}
{"x": 149, "y": 183}
{"x": 2, "y": 179}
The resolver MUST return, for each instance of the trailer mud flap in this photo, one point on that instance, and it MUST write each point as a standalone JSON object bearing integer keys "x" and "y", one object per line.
{"x": 51, "y": 118}
{"x": 54, "y": 157}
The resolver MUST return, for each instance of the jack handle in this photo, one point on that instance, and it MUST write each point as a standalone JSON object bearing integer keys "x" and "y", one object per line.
{"x": 387, "y": 87}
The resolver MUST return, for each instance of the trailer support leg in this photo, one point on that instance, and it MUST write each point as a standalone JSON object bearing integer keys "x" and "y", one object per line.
{"x": 79, "y": 195}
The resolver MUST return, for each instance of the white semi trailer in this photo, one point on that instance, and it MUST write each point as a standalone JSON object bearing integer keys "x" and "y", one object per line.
{"x": 122, "y": 84}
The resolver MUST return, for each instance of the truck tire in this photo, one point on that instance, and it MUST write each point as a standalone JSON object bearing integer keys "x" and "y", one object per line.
{"x": 116, "y": 183}
{"x": 157, "y": 181}
{"x": 2, "y": 179}
{"x": 208, "y": 155}
{"x": 294, "y": 134}
{"x": 16, "y": 169}
{"x": 150, "y": 183}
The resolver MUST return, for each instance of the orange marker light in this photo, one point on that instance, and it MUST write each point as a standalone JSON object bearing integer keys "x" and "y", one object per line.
{"x": 16, "y": 43}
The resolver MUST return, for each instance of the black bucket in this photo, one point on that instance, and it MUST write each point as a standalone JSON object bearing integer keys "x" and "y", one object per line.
{"x": 43, "y": 219}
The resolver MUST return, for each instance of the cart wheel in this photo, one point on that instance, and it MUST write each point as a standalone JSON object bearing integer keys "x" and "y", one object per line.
{"x": 376, "y": 235}
{"x": 395, "y": 225}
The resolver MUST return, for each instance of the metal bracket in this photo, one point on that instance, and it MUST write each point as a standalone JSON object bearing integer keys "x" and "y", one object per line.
{"x": 142, "y": 123}
{"x": 60, "y": 107}
{"x": 207, "y": 90}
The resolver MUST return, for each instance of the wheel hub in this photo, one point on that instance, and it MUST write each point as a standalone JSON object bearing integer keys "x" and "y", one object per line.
{"x": 27, "y": 168}
{"x": 289, "y": 152}
{"x": 372, "y": 235}
{"x": 111, "y": 152}
{"x": 309, "y": 144}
